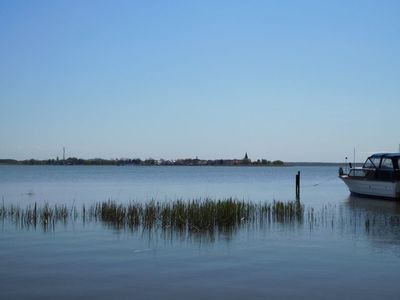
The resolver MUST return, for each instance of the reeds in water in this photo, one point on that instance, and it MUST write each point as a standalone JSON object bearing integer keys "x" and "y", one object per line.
{"x": 203, "y": 216}
{"x": 33, "y": 215}
{"x": 193, "y": 216}
{"x": 197, "y": 215}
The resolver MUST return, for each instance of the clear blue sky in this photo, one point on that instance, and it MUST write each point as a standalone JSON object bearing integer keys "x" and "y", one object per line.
{"x": 290, "y": 80}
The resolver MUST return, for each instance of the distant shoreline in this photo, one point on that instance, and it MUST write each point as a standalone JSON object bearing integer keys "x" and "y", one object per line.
{"x": 147, "y": 162}
{"x": 178, "y": 162}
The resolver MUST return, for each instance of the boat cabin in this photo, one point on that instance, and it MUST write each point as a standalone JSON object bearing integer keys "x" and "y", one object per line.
{"x": 387, "y": 161}
{"x": 381, "y": 166}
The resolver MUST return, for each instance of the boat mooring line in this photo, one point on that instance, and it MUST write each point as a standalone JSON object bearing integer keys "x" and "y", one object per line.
{"x": 319, "y": 183}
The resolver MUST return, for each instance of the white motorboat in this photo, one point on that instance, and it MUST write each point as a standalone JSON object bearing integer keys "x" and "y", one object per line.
{"x": 379, "y": 176}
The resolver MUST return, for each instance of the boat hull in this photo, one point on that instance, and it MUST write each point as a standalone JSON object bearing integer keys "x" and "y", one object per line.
{"x": 374, "y": 188}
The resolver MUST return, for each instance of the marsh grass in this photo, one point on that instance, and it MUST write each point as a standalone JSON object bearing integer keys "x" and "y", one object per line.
{"x": 206, "y": 215}
{"x": 32, "y": 215}
{"x": 202, "y": 217}
{"x": 196, "y": 215}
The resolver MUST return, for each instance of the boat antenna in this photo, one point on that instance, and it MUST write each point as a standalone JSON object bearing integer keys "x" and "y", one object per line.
{"x": 354, "y": 157}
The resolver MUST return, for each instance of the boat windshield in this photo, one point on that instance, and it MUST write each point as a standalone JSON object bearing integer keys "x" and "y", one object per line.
{"x": 387, "y": 164}
{"x": 372, "y": 163}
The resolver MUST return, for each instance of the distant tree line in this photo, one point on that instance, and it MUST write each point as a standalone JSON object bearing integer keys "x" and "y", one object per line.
{"x": 145, "y": 162}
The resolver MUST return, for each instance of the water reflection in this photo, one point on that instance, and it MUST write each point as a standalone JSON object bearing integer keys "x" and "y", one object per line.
{"x": 377, "y": 219}
{"x": 374, "y": 205}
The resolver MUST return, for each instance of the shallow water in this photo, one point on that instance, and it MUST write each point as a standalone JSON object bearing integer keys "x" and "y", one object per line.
{"x": 335, "y": 255}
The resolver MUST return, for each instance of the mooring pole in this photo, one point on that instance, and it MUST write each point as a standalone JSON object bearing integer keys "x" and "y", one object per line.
{"x": 298, "y": 185}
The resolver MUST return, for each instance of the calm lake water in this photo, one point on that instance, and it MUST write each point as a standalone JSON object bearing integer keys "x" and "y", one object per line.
{"x": 337, "y": 255}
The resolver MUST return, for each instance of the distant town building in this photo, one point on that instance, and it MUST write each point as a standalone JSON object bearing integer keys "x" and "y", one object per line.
{"x": 246, "y": 159}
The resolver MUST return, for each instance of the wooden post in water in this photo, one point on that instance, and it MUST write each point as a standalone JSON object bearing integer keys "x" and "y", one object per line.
{"x": 298, "y": 185}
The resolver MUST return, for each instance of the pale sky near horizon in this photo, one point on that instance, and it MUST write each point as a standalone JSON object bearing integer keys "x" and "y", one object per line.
{"x": 289, "y": 80}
